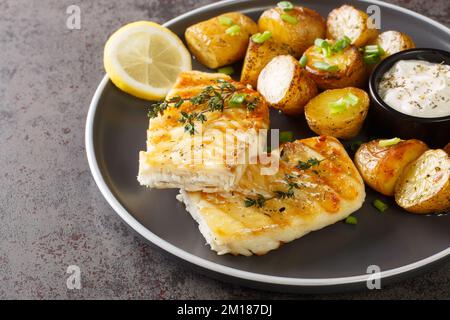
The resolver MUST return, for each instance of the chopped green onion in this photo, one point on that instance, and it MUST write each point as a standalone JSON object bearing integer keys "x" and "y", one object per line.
{"x": 303, "y": 60}
{"x": 237, "y": 99}
{"x": 285, "y": 5}
{"x": 286, "y": 136}
{"x": 380, "y": 205}
{"x": 351, "y": 220}
{"x": 389, "y": 142}
{"x": 233, "y": 30}
{"x": 351, "y": 99}
{"x": 325, "y": 66}
{"x": 371, "y": 58}
{"x": 226, "y": 70}
{"x": 372, "y": 49}
{"x": 225, "y": 21}
{"x": 341, "y": 44}
{"x": 289, "y": 19}
{"x": 321, "y": 43}
{"x": 261, "y": 37}
{"x": 338, "y": 106}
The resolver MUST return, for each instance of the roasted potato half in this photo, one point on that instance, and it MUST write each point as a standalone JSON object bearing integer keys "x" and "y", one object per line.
{"x": 221, "y": 40}
{"x": 393, "y": 41}
{"x": 424, "y": 186}
{"x": 298, "y": 28}
{"x": 351, "y": 22}
{"x": 341, "y": 69}
{"x": 258, "y": 56}
{"x": 447, "y": 148}
{"x": 339, "y": 113}
{"x": 285, "y": 85}
{"x": 381, "y": 166}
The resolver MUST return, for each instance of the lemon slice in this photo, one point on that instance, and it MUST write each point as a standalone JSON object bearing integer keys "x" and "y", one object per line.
{"x": 144, "y": 59}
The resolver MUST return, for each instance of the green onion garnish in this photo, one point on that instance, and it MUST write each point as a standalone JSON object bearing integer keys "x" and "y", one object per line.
{"x": 338, "y": 106}
{"x": 325, "y": 66}
{"x": 237, "y": 99}
{"x": 351, "y": 220}
{"x": 341, "y": 44}
{"x": 303, "y": 60}
{"x": 261, "y": 37}
{"x": 321, "y": 43}
{"x": 380, "y": 205}
{"x": 285, "y": 5}
{"x": 389, "y": 142}
{"x": 233, "y": 30}
{"x": 351, "y": 99}
{"x": 286, "y": 136}
{"x": 226, "y": 70}
{"x": 289, "y": 19}
{"x": 225, "y": 21}
{"x": 371, "y": 58}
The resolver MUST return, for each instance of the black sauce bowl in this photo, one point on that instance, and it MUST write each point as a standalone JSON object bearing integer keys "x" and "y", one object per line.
{"x": 388, "y": 122}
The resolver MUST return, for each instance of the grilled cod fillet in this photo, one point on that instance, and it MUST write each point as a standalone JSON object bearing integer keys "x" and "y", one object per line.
{"x": 326, "y": 192}
{"x": 169, "y": 160}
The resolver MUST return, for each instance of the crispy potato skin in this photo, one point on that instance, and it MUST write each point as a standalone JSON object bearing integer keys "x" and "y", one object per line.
{"x": 213, "y": 47}
{"x": 299, "y": 37}
{"x": 258, "y": 56}
{"x": 393, "y": 42}
{"x": 351, "y": 73}
{"x": 381, "y": 167}
{"x": 420, "y": 188}
{"x": 300, "y": 88}
{"x": 447, "y": 148}
{"x": 345, "y": 125}
{"x": 351, "y": 22}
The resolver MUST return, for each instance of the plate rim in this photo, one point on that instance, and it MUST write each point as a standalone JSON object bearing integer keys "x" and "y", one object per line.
{"x": 217, "y": 267}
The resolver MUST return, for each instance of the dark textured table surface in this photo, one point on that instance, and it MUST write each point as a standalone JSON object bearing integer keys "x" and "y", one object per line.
{"x": 51, "y": 213}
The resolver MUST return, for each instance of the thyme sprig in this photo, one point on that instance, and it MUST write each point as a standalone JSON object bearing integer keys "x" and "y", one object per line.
{"x": 218, "y": 97}
{"x": 305, "y": 165}
{"x": 260, "y": 200}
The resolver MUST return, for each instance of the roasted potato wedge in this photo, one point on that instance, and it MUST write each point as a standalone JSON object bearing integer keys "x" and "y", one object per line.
{"x": 424, "y": 186}
{"x": 351, "y": 22}
{"x": 285, "y": 85}
{"x": 447, "y": 148}
{"x": 300, "y": 33}
{"x": 349, "y": 68}
{"x": 393, "y": 41}
{"x": 381, "y": 166}
{"x": 213, "y": 46}
{"x": 258, "y": 56}
{"x": 344, "y": 121}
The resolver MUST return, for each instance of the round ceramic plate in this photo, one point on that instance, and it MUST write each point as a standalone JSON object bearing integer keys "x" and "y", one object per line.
{"x": 332, "y": 259}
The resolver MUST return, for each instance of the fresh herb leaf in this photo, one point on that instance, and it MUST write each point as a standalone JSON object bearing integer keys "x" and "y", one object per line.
{"x": 261, "y": 37}
{"x": 303, "y": 60}
{"x": 225, "y": 21}
{"x": 233, "y": 30}
{"x": 289, "y": 19}
{"x": 302, "y": 165}
{"x": 389, "y": 142}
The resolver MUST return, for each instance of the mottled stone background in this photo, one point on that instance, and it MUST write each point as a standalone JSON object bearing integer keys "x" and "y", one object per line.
{"x": 51, "y": 213}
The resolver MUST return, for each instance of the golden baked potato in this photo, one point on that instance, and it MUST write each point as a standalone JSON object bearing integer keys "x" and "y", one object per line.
{"x": 339, "y": 113}
{"x": 221, "y": 40}
{"x": 424, "y": 186}
{"x": 447, "y": 148}
{"x": 339, "y": 69}
{"x": 297, "y": 28}
{"x": 393, "y": 41}
{"x": 258, "y": 56}
{"x": 381, "y": 166}
{"x": 285, "y": 85}
{"x": 351, "y": 22}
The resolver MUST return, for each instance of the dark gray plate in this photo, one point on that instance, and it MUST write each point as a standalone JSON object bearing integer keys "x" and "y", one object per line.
{"x": 335, "y": 258}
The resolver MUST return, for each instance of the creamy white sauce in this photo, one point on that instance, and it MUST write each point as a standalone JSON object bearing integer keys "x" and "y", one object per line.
{"x": 417, "y": 88}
